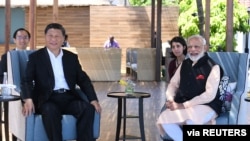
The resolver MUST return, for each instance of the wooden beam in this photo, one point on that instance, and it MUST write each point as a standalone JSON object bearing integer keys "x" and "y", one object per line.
{"x": 158, "y": 42}
{"x": 32, "y": 23}
{"x": 229, "y": 26}
{"x": 207, "y": 23}
{"x": 153, "y": 42}
{"x": 55, "y": 11}
{"x": 200, "y": 17}
{"x": 7, "y": 24}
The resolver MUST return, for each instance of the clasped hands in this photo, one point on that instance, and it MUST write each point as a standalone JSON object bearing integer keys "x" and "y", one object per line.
{"x": 173, "y": 105}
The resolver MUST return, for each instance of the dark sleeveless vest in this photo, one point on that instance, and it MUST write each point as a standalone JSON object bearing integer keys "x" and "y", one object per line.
{"x": 193, "y": 81}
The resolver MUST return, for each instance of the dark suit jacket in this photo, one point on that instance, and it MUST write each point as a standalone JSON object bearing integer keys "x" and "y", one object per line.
{"x": 3, "y": 66}
{"x": 40, "y": 70}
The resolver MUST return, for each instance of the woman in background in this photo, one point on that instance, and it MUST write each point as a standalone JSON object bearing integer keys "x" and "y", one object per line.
{"x": 179, "y": 50}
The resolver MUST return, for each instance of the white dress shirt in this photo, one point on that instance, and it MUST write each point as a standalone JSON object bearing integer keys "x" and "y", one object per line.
{"x": 56, "y": 62}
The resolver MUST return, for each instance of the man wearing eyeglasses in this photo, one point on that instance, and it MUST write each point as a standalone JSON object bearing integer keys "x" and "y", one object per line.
{"x": 21, "y": 38}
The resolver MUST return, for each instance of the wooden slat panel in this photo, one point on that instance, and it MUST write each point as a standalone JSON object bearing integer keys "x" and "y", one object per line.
{"x": 90, "y": 26}
{"x": 100, "y": 64}
{"x": 146, "y": 64}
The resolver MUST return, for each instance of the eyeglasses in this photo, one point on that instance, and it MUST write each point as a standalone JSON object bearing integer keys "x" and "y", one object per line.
{"x": 22, "y": 37}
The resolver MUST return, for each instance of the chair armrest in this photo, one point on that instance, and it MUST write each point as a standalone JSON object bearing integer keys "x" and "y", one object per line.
{"x": 29, "y": 133}
{"x": 238, "y": 108}
{"x": 97, "y": 117}
{"x": 16, "y": 119}
{"x": 164, "y": 107}
{"x": 96, "y": 125}
{"x": 82, "y": 95}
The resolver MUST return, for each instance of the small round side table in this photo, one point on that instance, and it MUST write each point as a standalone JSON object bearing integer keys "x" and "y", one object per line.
{"x": 5, "y": 102}
{"x": 122, "y": 96}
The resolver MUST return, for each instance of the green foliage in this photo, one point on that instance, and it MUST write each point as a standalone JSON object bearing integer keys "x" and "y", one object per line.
{"x": 148, "y": 2}
{"x": 140, "y": 2}
{"x": 170, "y": 2}
{"x": 189, "y": 24}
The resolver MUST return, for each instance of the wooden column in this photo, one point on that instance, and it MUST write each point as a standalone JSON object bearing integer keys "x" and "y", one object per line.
{"x": 207, "y": 23}
{"x": 7, "y": 24}
{"x": 153, "y": 24}
{"x": 229, "y": 26}
{"x": 55, "y": 11}
{"x": 32, "y": 23}
{"x": 158, "y": 42}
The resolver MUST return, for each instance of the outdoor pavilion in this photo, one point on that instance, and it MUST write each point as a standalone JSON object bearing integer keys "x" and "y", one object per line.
{"x": 32, "y": 19}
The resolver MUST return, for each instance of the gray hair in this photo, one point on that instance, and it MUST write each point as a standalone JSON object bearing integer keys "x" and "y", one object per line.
{"x": 202, "y": 39}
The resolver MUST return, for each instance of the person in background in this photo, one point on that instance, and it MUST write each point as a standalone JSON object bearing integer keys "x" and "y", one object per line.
{"x": 111, "y": 43}
{"x": 66, "y": 42}
{"x": 21, "y": 38}
{"x": 179, "y": 50}
{"x": 192, "y": 94}
{"x": 51, "y": 90}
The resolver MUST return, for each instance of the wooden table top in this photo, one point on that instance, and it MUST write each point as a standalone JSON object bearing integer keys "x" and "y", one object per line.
{"x": 124, "y": 95}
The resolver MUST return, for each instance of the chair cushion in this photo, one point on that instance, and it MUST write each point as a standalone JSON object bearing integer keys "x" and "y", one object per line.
{"x": 227, "y": 89}
{"x": 223, "y": 92}
{"x": 39, "y": 131}
{"x": 68, "y": 122}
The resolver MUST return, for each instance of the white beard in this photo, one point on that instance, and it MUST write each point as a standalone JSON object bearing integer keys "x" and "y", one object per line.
{"x": 195, "y": 58}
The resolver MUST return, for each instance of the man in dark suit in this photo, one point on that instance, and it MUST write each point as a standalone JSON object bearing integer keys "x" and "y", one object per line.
{"x": 52, "y": 75}
{"x": 21, "y": 38}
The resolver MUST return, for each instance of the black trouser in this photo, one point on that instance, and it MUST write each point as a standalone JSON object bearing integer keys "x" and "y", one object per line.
{"x": 65, "y": 103}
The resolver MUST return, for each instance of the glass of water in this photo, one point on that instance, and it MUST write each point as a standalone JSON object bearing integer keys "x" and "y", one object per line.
{"x": 5, "y": 91}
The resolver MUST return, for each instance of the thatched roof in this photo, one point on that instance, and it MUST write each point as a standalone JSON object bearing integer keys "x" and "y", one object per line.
{"x": 61, "y": 3}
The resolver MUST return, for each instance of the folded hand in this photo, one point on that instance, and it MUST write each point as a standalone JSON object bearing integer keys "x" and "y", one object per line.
{"x": 173, "y": 105}
{"x": 96, "y": 105}
{"x": 28, "y": 107}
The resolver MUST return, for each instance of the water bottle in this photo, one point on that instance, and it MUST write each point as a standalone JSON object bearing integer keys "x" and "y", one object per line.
{"x": 5, "y": 90}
